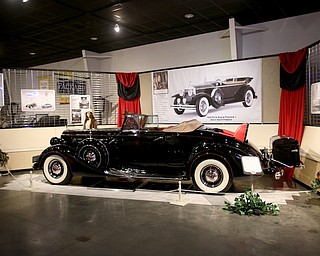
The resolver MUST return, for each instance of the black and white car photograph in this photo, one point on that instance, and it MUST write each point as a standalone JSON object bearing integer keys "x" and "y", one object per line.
{"x": 201, "y": 97}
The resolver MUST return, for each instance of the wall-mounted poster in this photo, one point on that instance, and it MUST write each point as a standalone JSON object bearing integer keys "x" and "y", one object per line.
{"x": 218, "y": 93}
{"x": 37, "y": 100}
{"x": 315, "y": 98}
{"x": 1, "y": 90}
{"x": 71, "y": 86}
{"x": 79, "y": 104}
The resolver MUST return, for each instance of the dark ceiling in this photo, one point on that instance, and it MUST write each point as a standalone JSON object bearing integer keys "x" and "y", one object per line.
{"x": 56, "y": 30}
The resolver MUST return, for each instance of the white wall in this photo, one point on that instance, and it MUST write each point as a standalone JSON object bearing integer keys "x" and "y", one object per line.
{"x": 283, "y": 35}
{"x": 286, "y": 35}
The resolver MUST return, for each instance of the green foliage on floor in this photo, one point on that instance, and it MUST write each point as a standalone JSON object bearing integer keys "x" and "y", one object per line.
{"x": 251, "y": 204}
{"x": 315, "y": 184}
{"x": 3, "y": 158}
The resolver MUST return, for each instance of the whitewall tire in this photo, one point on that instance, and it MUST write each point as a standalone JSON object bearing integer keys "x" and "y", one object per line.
{"x": 56, "y": 170}
{"x": 212, "y": 176}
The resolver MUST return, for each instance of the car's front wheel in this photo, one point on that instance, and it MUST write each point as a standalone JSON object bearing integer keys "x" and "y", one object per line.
{"x": 56, "y": 170}
{"x": 179, "y": 111}
{"x": 202, "y": 106}
{"x": 212, "y": 176}
{"x": 248, "y": 98}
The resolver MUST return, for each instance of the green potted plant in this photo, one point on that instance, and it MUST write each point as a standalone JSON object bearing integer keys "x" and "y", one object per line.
{"x": 251, "y": 204}
{"x": 315, "y": 184}
{"x": 3, "y": 158}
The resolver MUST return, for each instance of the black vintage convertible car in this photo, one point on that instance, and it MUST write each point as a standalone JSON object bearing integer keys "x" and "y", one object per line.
{"x": 214, "y": 93}
{"x": 210, "y": 157}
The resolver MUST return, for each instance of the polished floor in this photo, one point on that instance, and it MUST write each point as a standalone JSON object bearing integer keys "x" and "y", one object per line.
{"x": 60, "y": 224}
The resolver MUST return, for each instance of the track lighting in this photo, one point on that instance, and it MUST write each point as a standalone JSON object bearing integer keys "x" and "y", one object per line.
{"x": 116, "y": 28}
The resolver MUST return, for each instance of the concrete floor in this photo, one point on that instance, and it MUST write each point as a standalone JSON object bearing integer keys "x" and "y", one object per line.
{"x": 54, "y": 224}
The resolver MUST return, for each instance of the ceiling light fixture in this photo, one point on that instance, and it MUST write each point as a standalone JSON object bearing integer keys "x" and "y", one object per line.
{"x": 116, "y": 28}
{"x": 24, "y": 1}
{"x": 189, "y": 16}
{"x": 94, "y": 38}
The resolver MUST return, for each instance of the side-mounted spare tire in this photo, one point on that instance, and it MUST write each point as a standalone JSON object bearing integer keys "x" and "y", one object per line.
{"x": 212, "y": 176}
{"x": 94, "y": 153}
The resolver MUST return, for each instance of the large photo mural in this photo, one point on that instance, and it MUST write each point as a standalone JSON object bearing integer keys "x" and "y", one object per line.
{"x": 218, "y": 93}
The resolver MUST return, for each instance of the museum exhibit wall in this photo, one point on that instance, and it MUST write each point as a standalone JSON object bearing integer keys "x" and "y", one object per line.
{"x": 208, "y": 48}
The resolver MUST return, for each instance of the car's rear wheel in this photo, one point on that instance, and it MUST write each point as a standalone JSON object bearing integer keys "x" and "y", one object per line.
{"x": 202, "y": 106}
{"x": 56, "y": 170}
{"x": 212, "y": 176}
{"x": 179, "y": 111}
{"x": 248, "y": 98}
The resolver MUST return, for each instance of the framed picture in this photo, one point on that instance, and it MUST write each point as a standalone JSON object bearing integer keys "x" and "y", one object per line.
{"x": 315, "y": 98}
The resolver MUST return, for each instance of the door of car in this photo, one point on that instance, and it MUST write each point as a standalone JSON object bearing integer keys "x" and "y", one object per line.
{"x": 142, "y": 149}
{"x": 179, "y": 147}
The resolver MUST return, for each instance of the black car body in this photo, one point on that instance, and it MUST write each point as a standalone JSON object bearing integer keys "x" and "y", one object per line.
{"x": 210, "y": 157}
{"x": 214, "y": 93}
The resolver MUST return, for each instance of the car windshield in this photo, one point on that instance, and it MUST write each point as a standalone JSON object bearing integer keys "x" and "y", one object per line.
{"x": 136, "y": 122}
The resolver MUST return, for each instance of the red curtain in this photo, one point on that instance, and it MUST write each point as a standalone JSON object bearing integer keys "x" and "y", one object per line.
{"x": 293, "y": 83}
{"x": 129, "y": 95}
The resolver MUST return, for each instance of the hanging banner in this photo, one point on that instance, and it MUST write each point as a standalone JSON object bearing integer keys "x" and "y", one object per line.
{"x": 218, "y": 93}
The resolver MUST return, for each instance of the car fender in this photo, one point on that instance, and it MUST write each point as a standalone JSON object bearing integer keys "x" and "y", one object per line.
{"x": 216, "y": 151}
{"x": 243, "y": 90}
{"x": 176, "y": 96}
{"x": 68, "y": 154}
{"x": 62, "y": 150}
{"x": 200, "y": 95}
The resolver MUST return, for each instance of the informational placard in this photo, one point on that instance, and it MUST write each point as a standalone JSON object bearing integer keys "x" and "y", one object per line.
{"x": 37, "y": 100}
{"x": 315, "y": 98}
{"x": 217, "y": 93}
{"x": 79, "y": 104}
{"x": 251, "y": 165}
{"x": 1, "y": 90}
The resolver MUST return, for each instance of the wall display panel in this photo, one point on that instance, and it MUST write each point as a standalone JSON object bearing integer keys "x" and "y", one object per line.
{"x": 37, "y": 100}
{"x": 312, "y": 100}
{"x": 218, "y": 93}
{"x": 79, "y": 105}
{"x": 315, "y": 98}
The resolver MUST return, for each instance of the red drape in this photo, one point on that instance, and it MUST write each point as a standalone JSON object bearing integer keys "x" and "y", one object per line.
{"x": 292, "y": 82}
{"x": 292, "y": 101}
{"x": 129, "y": 95}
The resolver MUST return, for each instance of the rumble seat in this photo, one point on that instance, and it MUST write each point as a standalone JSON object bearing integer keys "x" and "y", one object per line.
{"x": 240, "y": 134}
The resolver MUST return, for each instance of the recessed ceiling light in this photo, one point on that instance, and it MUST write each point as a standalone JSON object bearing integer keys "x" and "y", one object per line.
{"x": 24, "y": 1}
{"x": 189, "y": 16}
{"x": 32, "y": 53}
{"x": 94, "y": 38}
{"x": 116, "y": 28}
